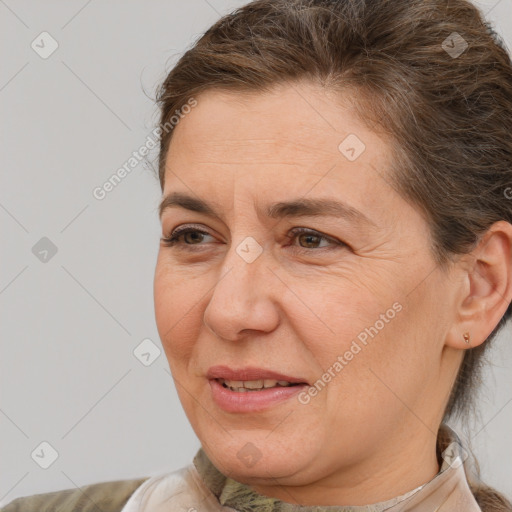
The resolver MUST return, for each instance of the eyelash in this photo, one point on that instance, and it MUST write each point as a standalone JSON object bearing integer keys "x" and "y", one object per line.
{"x": 172, "y": 240}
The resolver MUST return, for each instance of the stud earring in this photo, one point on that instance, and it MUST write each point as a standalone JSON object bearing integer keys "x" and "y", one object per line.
{"x": 466, "y": 337}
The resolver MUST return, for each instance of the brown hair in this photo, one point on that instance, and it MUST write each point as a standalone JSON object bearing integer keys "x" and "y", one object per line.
{"x": 432, "y": 74}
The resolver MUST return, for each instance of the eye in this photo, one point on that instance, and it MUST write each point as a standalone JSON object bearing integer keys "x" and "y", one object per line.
{"x": 174, "y": 238}
{"x": 310, "y": 237}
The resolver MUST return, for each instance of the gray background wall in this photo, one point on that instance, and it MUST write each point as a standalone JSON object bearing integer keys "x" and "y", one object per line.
{"x": 69, "y": 325}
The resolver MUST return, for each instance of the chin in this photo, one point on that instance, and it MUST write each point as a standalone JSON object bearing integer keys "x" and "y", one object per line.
{"x": 247, "y": 464}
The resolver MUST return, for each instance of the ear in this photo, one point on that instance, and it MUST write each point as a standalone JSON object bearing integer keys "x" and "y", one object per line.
{"x": 486, "y": 289}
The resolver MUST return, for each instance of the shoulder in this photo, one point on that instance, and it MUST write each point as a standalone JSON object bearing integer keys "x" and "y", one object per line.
{"x": 98, "y": 497}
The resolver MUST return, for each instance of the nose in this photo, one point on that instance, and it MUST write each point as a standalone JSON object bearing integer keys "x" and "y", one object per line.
{"x": 244, "y": 299}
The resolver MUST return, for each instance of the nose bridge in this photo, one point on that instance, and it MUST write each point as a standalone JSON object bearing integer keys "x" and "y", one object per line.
{"x": 243, "y": 266}
{"x": 241, "y": 298}
{"x": 245, "y": 254}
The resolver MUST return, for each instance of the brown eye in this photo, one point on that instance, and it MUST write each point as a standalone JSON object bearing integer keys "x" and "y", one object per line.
{"x": 311, "y": 239}
{"x": 195, "y": 237}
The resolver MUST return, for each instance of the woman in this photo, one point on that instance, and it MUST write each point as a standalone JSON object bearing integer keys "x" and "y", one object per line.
{"x": 335, "y": 258}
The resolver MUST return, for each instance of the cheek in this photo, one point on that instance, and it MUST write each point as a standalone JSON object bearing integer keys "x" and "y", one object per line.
{"x": 354, "y": 330}
{"x": 177, "y": 311}
{"x": 381, "y": 369}
{"x": 334, "y": 312}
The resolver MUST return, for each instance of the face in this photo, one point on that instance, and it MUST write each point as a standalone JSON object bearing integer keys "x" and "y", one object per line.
{"x": 344, "y": 307}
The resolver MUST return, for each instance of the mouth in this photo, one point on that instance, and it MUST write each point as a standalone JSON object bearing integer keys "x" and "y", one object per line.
{"x": 251, "y": 389}
{"x": 241, "y": 386}
{"x": 252, "y": 396}
{"x": 251, "y": 377}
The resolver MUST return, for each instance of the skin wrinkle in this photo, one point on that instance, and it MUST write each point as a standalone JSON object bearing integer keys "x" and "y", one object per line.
{"x": 261, "y": 313}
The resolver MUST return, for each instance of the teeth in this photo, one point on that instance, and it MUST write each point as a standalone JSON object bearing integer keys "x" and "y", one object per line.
{"x": 245, "y": 385}
{"x": 258, "y": 384}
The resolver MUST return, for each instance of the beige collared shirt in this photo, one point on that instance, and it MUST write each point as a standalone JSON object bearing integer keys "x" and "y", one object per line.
{"x": 201, "y": 487}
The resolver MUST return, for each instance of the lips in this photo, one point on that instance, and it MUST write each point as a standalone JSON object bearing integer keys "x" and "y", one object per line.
{"x": 250, "y": 373}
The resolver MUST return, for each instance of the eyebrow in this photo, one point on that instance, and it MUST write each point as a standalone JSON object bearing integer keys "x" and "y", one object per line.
{"x": 300, "y": 207}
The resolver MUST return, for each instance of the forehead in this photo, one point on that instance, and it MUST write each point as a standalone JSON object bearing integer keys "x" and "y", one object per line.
{"x": 292, "y": 140}
{"x": 304, "y": 118}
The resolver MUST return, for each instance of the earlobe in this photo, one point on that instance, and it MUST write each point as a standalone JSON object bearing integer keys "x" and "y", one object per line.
{"x": 487, "y": 290}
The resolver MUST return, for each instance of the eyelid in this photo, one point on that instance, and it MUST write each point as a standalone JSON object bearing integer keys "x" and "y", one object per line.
{"x": 188, "y": 227}
{"x": 184, "y": 229}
